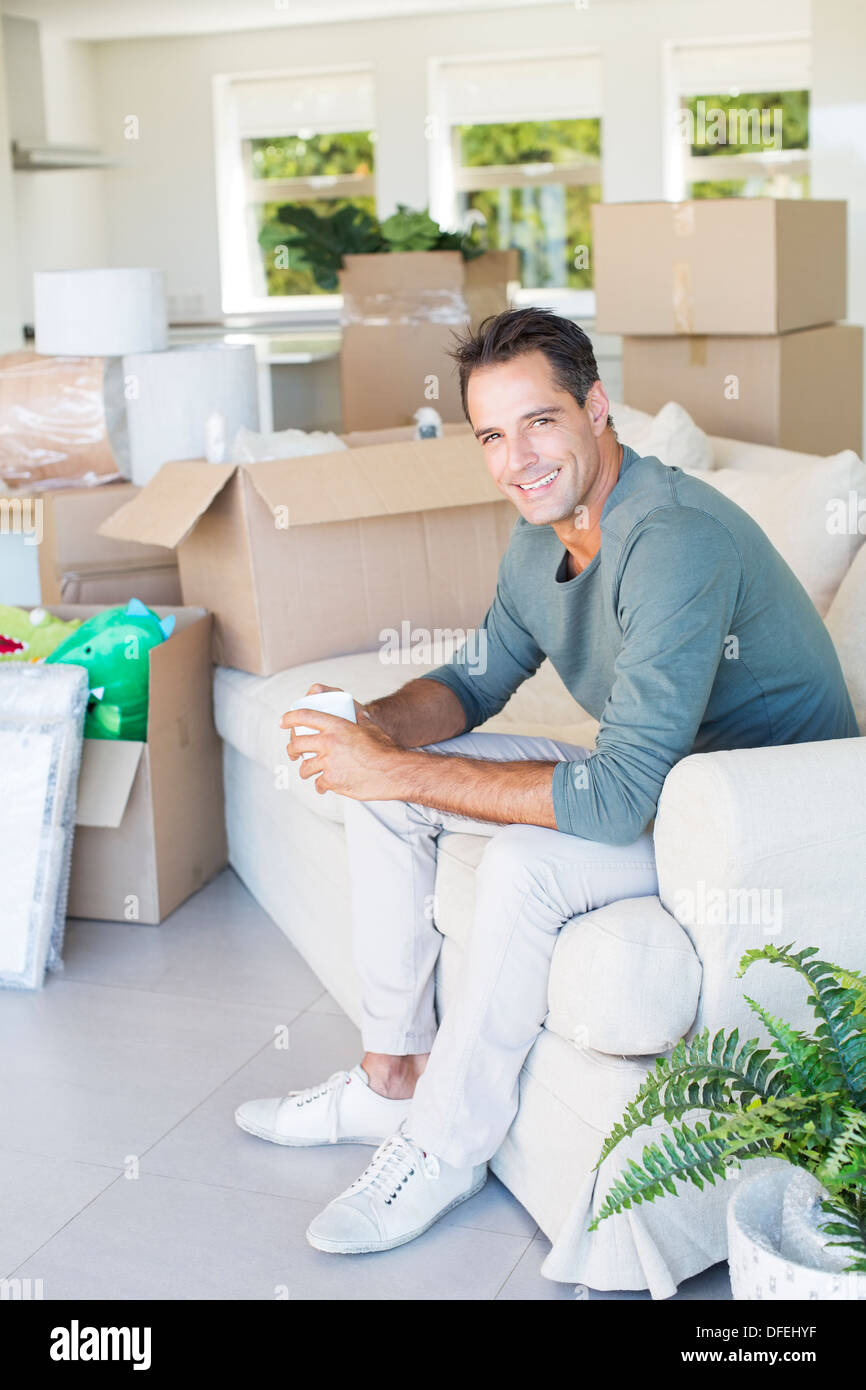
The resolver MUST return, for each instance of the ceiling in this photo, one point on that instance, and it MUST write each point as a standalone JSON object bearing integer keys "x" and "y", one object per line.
{"x": 121, "y": 19}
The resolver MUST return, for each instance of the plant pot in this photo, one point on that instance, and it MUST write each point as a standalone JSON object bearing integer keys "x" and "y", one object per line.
{"x": 775, "y": 1250}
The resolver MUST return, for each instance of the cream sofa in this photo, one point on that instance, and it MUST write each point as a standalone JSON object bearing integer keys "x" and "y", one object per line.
{"x": 627, "y": 981}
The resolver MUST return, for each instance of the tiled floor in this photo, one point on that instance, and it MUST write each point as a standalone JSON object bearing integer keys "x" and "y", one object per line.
{"x": 123, "y": 1174}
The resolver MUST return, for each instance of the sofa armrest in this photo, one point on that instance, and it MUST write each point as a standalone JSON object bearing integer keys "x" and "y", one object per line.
{"x": 765, "y": 845}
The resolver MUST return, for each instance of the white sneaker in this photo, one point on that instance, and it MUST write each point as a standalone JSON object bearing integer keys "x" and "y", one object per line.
{"x": 343, "y": 1110}
{"x": 399, "y": 1195}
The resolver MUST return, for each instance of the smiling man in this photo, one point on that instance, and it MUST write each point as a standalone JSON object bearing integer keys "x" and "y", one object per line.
{"x": 671, "y": 619}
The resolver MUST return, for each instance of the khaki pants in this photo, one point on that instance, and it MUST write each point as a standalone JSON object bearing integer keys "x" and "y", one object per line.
{"x": 531, "y": 881}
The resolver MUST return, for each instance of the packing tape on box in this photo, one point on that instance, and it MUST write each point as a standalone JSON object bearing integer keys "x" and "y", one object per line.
{"x": 683, "y": 297}
{"x": 385, "y": 308}
{"x": 698, "y": 350}
{"x": 684, "y": 219}
{"x": 683, "y": 223}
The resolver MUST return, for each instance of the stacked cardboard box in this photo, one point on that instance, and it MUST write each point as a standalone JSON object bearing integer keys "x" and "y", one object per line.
{"x": 400, "y": 314}
{"x": 730, "y": 307}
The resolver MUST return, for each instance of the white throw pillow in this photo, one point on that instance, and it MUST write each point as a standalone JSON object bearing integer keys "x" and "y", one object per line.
{"x": 671, "y": 436}
{"x": 846, "y": 623}
{"x": 806, "y": 514}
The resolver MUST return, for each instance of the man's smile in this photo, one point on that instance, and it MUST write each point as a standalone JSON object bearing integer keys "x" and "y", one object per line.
{"x": 540, "y": 484}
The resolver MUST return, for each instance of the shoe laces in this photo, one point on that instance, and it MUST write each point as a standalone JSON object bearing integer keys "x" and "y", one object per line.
{"x": 395, "y": 1161}
{"x": 332, "y": 1088}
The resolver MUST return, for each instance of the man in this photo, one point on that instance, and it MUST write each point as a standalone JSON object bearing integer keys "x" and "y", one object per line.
{"x": 671, "y": 618}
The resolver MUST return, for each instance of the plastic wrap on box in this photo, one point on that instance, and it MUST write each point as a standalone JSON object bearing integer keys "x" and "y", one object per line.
{"x": 53, "y": 429}
{"x": 42, "y": 712}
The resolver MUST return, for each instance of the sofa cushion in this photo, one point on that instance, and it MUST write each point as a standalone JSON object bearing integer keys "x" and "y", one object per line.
{"x": 458, "y": 857}
{"x": 798, "y": 512}
{"x": 846, "y": 623}
{"x": 671, "y": 435}
{"x": 624, "y": 980}
{"x": 742, "y": 455}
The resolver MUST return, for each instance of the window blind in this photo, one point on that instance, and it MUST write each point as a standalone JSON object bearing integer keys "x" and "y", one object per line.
{"x": 290, "y": 103}
{"x": 760, "y": 66}
{"x": 536, "y": 88}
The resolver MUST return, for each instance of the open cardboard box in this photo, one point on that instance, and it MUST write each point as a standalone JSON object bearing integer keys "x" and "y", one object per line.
{"x": 150, "y": 827}
{"x": 312, "y": 557}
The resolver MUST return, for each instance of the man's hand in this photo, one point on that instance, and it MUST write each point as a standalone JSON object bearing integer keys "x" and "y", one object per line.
{"x": 362, "y": 761}
{"x": 356, "y": 760}
{"x": 361, "y": 711}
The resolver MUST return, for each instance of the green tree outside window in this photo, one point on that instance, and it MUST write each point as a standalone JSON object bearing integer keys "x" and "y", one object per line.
{"x": 794, "y": 107}
{"x": 347, "y": 154}
{"x": 548, "y": 221}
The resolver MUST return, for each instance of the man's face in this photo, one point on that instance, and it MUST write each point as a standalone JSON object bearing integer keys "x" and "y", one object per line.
{"x": 541, "y": 447}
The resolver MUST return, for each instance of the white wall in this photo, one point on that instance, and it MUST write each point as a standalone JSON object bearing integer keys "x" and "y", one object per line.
{"x": 60, "y": 213}
{"x": 838, "y": 127}
{"x": 10, "y": 313}
{"x": 60, "y": 223}
{"x": 161, "y": 204}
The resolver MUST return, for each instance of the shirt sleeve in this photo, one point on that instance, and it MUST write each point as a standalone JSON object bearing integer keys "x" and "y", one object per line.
{"x": 498, "y": 657}
{"x": 679, "y": 581}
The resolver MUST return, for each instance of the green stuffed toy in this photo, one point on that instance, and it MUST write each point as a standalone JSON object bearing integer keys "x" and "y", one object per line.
{"x": 31, "y": 634}
{"x": 114, "y": 647}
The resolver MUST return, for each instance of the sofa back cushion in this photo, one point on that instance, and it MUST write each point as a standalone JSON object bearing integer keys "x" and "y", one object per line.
{"x": 846, "y": 623}
{"x": 671, "y": 435}
{"x": 806, "y": 514}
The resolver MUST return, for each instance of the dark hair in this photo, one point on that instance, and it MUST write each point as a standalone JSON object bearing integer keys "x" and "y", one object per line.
{"x": 503, "y": 337}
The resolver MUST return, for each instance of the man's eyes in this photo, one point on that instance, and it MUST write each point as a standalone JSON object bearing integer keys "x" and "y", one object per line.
{"x": 540, "y": 420}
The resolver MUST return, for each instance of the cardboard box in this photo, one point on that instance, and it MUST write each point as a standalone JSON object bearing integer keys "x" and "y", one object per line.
{"x": 313, "y": 557}
{"x": 150, "y": 825}
{"x": 400, "y": 313}
{"x": 78, "y": 565}
{"x": 719, "y": 265}
{"x": 799, "y": 390}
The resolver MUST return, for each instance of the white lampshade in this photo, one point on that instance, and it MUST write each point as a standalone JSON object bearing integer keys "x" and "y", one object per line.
{"x": 172, "y": 398}
{"x": 99, "y": 313}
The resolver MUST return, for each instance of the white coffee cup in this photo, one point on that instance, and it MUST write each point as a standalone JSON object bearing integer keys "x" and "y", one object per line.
{"x": 338, "y": 702}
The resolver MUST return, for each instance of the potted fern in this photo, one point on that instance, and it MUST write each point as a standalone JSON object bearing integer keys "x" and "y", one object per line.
{"x": 797, "y": 1231}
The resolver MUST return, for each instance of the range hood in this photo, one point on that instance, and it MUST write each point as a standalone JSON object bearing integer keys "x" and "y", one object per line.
{"x": 25, "y": 86}
{"x": 45, "y": 156}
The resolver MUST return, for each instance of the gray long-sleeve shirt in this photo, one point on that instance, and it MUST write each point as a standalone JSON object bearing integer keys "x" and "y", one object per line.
{"x": 687, "y": 632}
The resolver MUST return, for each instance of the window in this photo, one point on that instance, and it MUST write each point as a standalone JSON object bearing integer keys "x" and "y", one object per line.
{"x": 282, "y": 139}
{"x": 517, "y": 149}
{"x": 744, "y": 120}
{"x": 323, "y": 171}
{"x": 748, "y": 145}
{"x": 531, "y": 184}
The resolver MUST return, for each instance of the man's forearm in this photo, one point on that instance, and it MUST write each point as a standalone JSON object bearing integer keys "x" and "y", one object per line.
{"x": 421, "y": 712}
{"x": 505, "y": 793}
